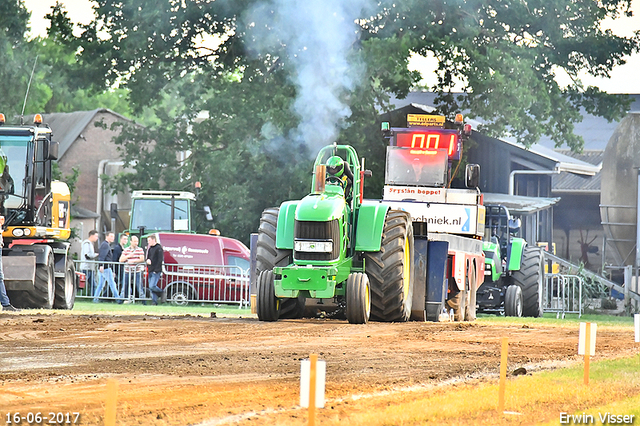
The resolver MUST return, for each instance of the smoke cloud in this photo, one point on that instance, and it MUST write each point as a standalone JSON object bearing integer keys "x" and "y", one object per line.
{"x": 318, "y": 37}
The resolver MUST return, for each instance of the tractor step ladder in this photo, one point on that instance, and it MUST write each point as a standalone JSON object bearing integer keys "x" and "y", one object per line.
{"x": 610, "y": 284}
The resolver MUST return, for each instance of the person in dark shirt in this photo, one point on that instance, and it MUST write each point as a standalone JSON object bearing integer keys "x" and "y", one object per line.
{"x": 118, "y": 270}
{"x": 4, "y": 299}
{"x": 105, "y": 273}
{"x": 155, "y": 257}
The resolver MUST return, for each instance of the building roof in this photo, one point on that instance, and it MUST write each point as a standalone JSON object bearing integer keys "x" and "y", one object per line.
{"x": 572, "y": 183}
{"x": 520, "y": 204}
{"x": 68, "y": 126}
{"x": 78, "y": 212}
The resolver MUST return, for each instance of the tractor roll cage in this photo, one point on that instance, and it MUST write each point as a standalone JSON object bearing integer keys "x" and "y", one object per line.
{"x": 349, "y": 155}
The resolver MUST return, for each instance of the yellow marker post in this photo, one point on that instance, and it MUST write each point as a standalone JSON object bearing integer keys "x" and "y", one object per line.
{"x": 313, "y": 358}
{"x": 503, "y": 373}
{"x": 587, "y": 352}
{"x": 110, "y": 406}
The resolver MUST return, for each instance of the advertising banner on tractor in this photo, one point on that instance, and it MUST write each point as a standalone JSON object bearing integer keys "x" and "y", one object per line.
{"x": 425, "y": 120}
{"x": 449, "y": 218}
{"x": 425, "y": 195}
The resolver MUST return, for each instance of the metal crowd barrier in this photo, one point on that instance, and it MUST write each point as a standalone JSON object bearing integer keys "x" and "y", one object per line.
{"x": 183, "y": 284}
{"x": 563, "y": 295}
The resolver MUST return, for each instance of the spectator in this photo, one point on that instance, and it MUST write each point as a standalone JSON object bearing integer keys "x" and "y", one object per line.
{"x": 106, "y": 273}
{"x": 133, "y": 256}
{"x": 88, "y": 254}
{"x": 118, "y": 270}
{"x": 155, "y": 256}
{"x": 4, "y": 299}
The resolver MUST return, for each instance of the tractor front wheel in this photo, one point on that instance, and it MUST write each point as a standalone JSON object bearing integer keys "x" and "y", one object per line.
{"x": 268, "y": 257}
{"x": 268, "y": 303}
{"x": 513, "y": 301}
{"x": 390, "y": 270}
{"x": 358, "y": 298}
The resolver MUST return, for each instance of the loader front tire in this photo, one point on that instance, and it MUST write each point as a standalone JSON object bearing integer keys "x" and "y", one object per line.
{"x": 66, "y": 288}
{"x": 43, "y": 292}
{"x": 391, "y": 270}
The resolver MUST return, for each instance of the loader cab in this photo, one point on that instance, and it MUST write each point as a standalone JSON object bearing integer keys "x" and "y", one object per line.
{"x": 25, "y": 182}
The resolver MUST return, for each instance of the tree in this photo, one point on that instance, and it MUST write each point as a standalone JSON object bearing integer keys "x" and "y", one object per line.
{"x": 272, "y": 74}
{"x": 14, "y": 19}
{"x": 46, "y": 67}
{"x": 507, "y": 55}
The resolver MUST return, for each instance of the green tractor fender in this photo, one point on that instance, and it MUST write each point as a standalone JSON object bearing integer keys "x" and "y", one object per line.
{"x": 286, "y": 225}
{"x": 369, "y": 225}
{"x": 515, "y": 254}
{"x": 493, "y": 259}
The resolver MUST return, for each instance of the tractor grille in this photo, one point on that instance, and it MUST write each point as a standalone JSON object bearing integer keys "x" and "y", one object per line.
{"x": 318, "y": 231}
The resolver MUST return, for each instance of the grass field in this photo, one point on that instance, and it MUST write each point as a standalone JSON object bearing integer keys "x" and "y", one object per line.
{"x": 570, "y": 319}
{"x": 205, "y": 309}
{"x": 541, "y": 398}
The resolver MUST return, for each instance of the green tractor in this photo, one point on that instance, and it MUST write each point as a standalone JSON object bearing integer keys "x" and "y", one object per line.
{"x": 334, "y": 245}
{"x": 514, "y": 272}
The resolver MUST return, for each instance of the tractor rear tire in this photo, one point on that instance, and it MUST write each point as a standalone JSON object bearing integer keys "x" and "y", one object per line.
{"x": 66, "y": 288}
{"x": 391, "y": 271}
{"x": 513, "y": 301}
{"x": 358, "y": 298}
{"x": 266, "y": 300}
{"x": 268, "y": 257}
{"x": 530, "y": 278}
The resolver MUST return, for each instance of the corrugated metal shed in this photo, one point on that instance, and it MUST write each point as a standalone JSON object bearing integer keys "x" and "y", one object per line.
{"x": 578, "y": 184}
{"x": 518, "y": 204}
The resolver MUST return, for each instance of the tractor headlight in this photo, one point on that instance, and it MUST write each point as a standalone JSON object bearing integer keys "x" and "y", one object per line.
{"x": 18, "y": 232}
{"x": 314, "y": 246}
{"x": 27, "y": 232}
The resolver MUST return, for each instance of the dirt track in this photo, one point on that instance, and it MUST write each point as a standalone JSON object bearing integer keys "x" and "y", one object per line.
{"x": 191, "y": 370}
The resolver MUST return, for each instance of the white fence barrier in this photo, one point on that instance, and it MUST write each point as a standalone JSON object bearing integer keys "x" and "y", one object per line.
{"x": 563, "y": 295}
{"x": 182, "y": 284}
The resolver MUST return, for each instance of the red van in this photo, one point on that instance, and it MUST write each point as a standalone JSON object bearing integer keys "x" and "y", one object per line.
{"x": 204, "y": 268}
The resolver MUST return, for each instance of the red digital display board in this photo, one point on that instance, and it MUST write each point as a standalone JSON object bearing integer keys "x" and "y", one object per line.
{"x": 448, "y": 140}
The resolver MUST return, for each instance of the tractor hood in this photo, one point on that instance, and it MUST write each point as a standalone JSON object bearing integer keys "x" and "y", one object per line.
{"x": 322, "y": 207}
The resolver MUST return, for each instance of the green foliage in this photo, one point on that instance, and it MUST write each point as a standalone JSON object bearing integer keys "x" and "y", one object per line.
{"x": 238, "y": 62}
{"x": 57, "y": 84}
{"x": 186, "y": 57}
{"x": 507, "y": 55}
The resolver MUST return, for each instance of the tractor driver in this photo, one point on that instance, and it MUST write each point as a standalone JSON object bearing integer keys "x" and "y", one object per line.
{"x": 339, "y": 168}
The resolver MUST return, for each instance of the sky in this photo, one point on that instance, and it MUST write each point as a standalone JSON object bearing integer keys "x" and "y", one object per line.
{"x": 623, "y": 79}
